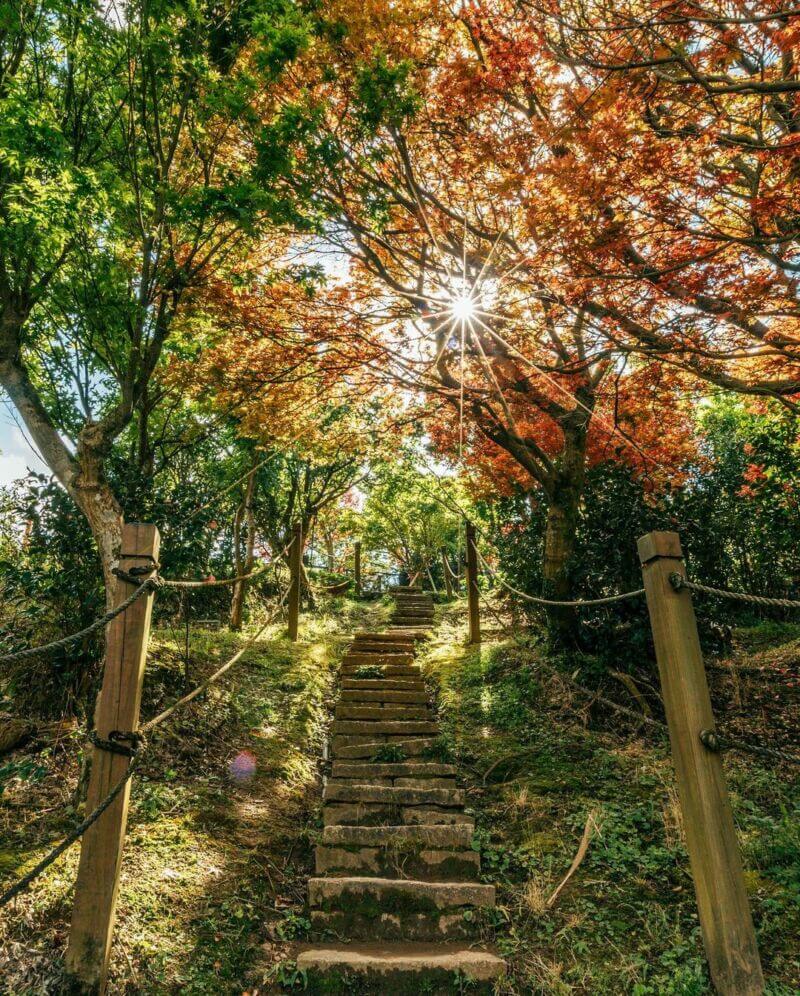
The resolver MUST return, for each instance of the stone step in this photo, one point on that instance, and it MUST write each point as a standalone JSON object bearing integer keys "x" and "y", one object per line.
{"x": 395, "y": 711}
{"x": 385, "y": 647}
{"x": 378, "y": 969}
{"x": 385, "y": 637}
{"x": 383, "y": 684}
{"x": 409, "y": 747}
{"x": 411, "y": 783}
{"x": 448, "y": 798}
{"x": 380, "y": 658}
{"x": 409, "y": 909}
{"x": 428, "y": 865}
{"x": 365, "y": 695}
{"x": 400, "y": 588}
{"x": 388, "y": 769}
{"x": 384, "y": 670}
{"x": 374, "y": 814}
{"x": 364, "y": 728}
{"x": 404, "y": 837}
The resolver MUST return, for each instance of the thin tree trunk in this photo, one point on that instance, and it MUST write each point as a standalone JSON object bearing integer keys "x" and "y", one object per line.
{"x": 561, "y": 528}
{"x": 243, "y": 566}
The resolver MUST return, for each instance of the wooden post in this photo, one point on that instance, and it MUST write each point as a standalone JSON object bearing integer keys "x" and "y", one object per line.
{"x": 472, "y": 586}
{"x": 722, "y": 903}
{"x": 448, "y": 581}
{"x": 357, "y": 566}
{"x": 96, "y": 887}
{"x": 295, "y": 565}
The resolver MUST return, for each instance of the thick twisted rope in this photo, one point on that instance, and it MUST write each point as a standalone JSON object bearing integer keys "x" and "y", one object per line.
{"x": 74, "y": 835}
{"x": 215, "y": 582}
{"x": 149, "y": 585}
{"x": 573, "y": 604}
{"x": 678, "y": 581}
{"x": 151, "y": 724}
{"x": 135, "y": 753}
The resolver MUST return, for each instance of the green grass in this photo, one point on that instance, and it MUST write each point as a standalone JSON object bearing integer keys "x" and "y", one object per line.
{"x": 213, "y": 883}
{"x": 626, "y": 922}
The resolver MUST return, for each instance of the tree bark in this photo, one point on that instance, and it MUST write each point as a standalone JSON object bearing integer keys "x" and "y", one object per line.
{"x": 564, "y": 501}
{"x": 243, "y": 566}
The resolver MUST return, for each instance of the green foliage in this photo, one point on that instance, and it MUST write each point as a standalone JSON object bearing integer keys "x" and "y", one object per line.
{"x": 53, "y": 585}
{"x": 385, "y": 93}
{"x": 629, "y": 911}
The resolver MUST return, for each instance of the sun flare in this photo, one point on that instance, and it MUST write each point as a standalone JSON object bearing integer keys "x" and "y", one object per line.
{"x": 463, "y": 308}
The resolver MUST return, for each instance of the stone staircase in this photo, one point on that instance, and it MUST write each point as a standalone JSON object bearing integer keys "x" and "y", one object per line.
{"x": 396, "y": 904}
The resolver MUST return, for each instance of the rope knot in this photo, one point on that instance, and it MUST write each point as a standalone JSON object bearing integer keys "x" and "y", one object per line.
{"x": 711, "y": 741}
{"x": 118, "y": 742}
{"x": 678, "y": 581}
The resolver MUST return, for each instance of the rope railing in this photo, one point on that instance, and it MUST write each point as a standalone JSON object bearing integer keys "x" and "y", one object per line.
{"x": 150, "y": 584}
{"x": 135, "y": 752}
{"x": 573, "y": 603}
{"x": 65, "y": 641}
{"x": 678, "y": 581}
{"x": 713, "y": 740}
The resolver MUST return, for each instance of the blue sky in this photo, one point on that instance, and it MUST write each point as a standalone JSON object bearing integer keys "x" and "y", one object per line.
{"x": 16, "y": 456}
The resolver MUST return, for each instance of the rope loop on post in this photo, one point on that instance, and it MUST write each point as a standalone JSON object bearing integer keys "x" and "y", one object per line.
{"x": 118, "y": 742}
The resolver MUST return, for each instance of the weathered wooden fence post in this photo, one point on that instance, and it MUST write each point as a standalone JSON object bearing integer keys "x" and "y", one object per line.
{"x": 472, "y": 586}
{"x": 97, "y": 883}
{"x": 722, "y": 903}
{"x": 357, "y": 566}
{"x": 295, "y": 582}
{"x": 448, "y": 581}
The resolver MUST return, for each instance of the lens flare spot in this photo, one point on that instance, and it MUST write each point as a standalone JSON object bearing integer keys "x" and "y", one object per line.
{"x": 243, "y": 766}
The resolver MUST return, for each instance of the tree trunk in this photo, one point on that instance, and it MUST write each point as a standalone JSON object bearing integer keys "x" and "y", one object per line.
{"x": 564, "y": 500}
{"x": 243, "y": 566}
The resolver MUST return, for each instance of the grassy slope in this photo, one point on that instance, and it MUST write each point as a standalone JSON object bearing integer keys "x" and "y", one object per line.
{"x": 213, "y": 885}
{"x": 626, "y": 922}
{"x": 221, "y": 826}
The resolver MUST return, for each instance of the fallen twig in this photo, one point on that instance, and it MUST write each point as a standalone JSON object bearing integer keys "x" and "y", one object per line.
{"x": 588, "y": 833}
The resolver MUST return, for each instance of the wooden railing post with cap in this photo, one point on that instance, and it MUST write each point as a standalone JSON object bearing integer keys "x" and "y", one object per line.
{"x": 295, "y": 582}
{"x": 357, "y": 566}
{"x": 722, "y": 903}
{"x": 448, "y": 581}
{"x": 117, "y": 710}
{"x": 472, "y": 586}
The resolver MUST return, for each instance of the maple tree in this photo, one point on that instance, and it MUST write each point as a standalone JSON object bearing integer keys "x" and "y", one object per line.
{"x": 671, "y": 160}
{"x": 126, "y": 185}
{"x": 422, "y": 179}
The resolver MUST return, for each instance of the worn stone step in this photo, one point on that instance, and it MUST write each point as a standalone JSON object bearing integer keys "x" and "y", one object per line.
{"x": 400, "y": 969}
{"x": 376, "y": 814}
{"x": 406, "y": 619}
{"x": 379, "y": 658}
{"x": 409, "y": 909}
{"x": 423, "y": 864}
{"x": 403, "y": 836}
{"x": 388, "y": 748}
{"x": 388, "y": 769}
{"x": 411, "y": 747}
{"x": 385, "y": 637}
{"x": 364, "y": 696}
{"x": 383, "y": 684}
{"x": 385, "y": 647}
{"x": 446, "y": 797}
{"x": 385, "y": 670}
{"x": 379, "y": 712}
{"x": 397, "y": 728}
